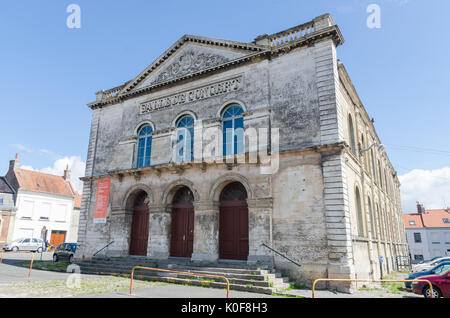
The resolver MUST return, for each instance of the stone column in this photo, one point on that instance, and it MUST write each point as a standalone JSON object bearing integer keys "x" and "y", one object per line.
{"x": 260, "y": 230}
{"x": 120, "y": 231}
{"x": 206, "y": 231}
{"x": 159, "y": 236}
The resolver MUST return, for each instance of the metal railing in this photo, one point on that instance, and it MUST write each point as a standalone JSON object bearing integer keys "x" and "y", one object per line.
{"x": 103, "y": 248}
{"x": 370, "y": 281}
{"x": 177, "y": 272}
{"x": 282, "y": 255}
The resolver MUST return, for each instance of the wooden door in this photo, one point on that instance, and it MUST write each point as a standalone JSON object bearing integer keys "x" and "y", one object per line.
{"x": 182, "y": 240}
{"x": 57, "y": 238}
{"x": 233, "y": 232}
{"x": 233, "y": 223}
{"x": 139, "y": 231}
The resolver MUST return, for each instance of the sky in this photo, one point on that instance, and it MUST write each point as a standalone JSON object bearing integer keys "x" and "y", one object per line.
{"x": 49, "y": 72}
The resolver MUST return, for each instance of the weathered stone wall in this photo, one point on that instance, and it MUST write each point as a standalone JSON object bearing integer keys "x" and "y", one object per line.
{"x": 306, "y": 209}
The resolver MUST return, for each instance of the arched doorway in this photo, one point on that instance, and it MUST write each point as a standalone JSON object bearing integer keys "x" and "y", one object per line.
{"x": 182, "y": 236}
{"x": 140, "y": 225}
{"x": 233, "y": 223}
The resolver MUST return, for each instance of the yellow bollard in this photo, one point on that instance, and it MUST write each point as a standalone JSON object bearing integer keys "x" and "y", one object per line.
{"x": 31, "y": 265}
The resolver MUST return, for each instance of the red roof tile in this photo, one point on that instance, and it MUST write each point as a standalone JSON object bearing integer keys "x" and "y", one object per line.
{"x": 77, "y": 203}
{"x": 409, "y": 218}
{"x": 432, "y": 218}
{"x": 43, "y": 182}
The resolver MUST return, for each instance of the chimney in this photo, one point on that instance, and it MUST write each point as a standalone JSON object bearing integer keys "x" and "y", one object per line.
{"x": 14, "y": 164}
{"x": 67, "y": 174}
{"x": 421, "y": 208}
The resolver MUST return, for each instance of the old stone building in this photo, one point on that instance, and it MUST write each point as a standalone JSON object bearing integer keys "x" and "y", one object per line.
{"x": 319, "y": 189}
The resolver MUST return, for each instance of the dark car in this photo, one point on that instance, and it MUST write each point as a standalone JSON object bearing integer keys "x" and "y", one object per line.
{"x": 441, "y": 268}
{"x": 441, "y": 286}
{"x": 65, "y": 252}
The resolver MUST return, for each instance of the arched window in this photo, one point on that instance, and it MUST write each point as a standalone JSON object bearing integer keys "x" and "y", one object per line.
{"x": 351, "y": 132}
{"x": 144, "y": 151}
{"x": 372, "y": 220}
{"x": 360, "y": 213}
{"x": 381, "y": 174}
{"x": 374, "y": 168}
{"x": 380, "y": 226}
{"x": 363, "y": 146}
{"x": 185, "y": 139}
{"x": 233, "y": 130}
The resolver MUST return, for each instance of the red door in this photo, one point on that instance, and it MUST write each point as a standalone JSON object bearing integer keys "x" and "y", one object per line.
{"x": 139, "y": 231}
{"x": 182, "y": 241}
{"x": 233, "y": 232}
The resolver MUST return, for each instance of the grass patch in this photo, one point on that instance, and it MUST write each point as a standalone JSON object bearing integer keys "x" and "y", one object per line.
{"x": 48, "y": 265}
{"x": 295, "y": 286}
{"x": 393, "y": 287}
{"x": 286, "y": 296}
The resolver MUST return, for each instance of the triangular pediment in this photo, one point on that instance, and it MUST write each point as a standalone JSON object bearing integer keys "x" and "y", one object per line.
{"x": 189, "y": 55}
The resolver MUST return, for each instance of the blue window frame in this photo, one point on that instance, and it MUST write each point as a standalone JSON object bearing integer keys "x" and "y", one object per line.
{"x": 185, "y": 140}
{"x": 144, "y": 148}
{"x": 233, "y": 130}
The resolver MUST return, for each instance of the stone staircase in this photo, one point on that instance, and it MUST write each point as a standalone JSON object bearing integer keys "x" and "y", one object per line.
{"x": 242, "y": 277}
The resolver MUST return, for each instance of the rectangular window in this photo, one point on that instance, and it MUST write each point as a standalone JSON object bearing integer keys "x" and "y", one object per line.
{"x": 412, "y": 223}
{"x": 59, "y": 213}
{"x": 26, "y": 210}
{"x": 417, "y": 238}
{"x": 45, "y": 211}
{"x": 418, "y": 257}
{"x": 1, "y": 201}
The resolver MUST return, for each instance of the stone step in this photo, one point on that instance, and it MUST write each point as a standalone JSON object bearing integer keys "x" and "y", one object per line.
{"x": 149, "y": 274}
{"x": 193, "y": 282}
{"x": 179, "y": 267}
{"x": 180, "y": 262}
{"x": 128, "y": 269}
{"x": 251, "y": 283}
{"x": 242, "y": 276}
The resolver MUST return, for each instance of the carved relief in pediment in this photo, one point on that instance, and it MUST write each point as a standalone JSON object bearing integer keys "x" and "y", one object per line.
{"x": 189, "y": 62}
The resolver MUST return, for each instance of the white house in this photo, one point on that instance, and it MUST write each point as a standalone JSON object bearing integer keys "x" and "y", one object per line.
{"x": 428, "y": 233}
{"x": 45, "y": 205}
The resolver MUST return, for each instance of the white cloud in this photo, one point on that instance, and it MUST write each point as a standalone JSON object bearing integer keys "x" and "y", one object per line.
{"x": 22, "y": 148}
{"x": 430, "y": 187}
{"x": 76, "y": 166}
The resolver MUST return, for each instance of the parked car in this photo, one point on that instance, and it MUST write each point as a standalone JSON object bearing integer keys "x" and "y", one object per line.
{"x": 65, "y": 252}
{"x": 25, "y": 244}
{"x": 441, "y": 268}
{"x": 441, "y": 286}
{"x": 429, "y": 265}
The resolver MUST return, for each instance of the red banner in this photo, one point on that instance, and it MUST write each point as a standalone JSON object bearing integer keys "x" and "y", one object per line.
{"x": 102, "y": 200}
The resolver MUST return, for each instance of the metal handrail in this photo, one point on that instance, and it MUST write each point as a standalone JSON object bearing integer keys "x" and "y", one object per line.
{"x": 102, "y": 249}
{"x": 282, "y": 255}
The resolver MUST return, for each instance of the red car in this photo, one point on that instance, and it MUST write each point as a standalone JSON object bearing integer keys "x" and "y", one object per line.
{"x": 441, "y": 286}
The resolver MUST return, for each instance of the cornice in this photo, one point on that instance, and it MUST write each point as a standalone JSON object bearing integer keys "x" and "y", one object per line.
{"x": 179, "y": 168}
{"x": 261, "y": 52}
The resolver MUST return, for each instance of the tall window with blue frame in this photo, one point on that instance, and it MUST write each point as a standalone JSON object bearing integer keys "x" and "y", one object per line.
{"x": 144, "y": 151}
{"x": 184, "y": 150}
{"x": 233, "y": 130}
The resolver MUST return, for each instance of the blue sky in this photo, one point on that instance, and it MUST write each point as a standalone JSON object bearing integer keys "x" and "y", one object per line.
{"x": 48, "y": 72}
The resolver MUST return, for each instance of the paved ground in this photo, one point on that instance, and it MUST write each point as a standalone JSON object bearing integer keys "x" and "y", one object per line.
{"x": 359, "y": 294}
{"x": 179, "y": 291}
{"x": 11, "y": 272}
{"x": 14, "y": 283}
